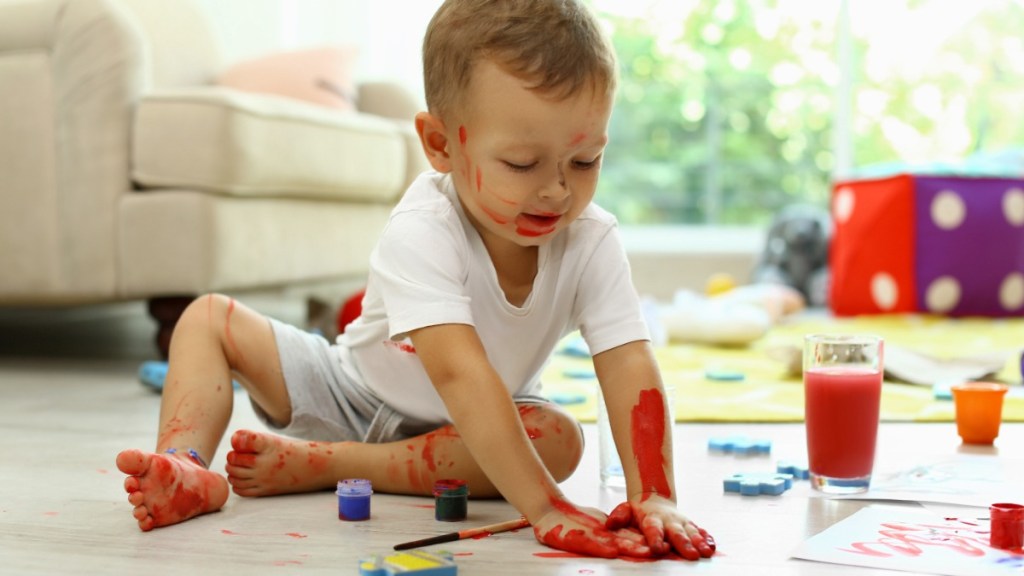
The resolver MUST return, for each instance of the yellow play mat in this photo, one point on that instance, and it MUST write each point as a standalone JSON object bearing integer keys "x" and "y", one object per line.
{"x": 768, "y": 393}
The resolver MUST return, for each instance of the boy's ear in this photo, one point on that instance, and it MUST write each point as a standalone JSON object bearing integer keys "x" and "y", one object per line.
{"x": 434, "y": 141}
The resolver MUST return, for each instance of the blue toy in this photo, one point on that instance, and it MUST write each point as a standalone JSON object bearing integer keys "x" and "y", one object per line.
{"x": 757, "y": 483}
{"x": 579, "y": 374}
{"x": 418, "y": 562}
{"x": 724, "y": 375}
{"x": 740, "y": 445}
{"x": 798, "y": 471}
{"x": 153, "y": 373}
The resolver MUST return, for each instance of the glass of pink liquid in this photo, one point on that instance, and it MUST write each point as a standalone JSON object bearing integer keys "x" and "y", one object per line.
{"x": 842, "y": 393}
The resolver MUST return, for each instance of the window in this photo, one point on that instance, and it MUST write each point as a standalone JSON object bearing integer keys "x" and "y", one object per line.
{"x": 729, "y": 110}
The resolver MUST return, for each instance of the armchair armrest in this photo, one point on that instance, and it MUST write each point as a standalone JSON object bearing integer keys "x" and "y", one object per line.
{"x": 71, "y": 74}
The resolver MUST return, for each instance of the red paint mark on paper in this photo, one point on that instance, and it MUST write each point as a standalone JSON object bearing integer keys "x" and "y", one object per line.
{"x": 648, "y": 425}
{"x": 912, "y": 540}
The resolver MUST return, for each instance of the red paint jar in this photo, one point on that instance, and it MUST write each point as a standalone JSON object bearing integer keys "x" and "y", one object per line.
{"x": 1007, "y": 526}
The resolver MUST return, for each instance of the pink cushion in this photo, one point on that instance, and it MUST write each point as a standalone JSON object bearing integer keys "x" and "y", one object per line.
{"x": 320, "y": 75}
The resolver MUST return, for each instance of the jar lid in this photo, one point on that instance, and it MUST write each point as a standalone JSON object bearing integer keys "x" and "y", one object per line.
{"x": 451, "y": 487}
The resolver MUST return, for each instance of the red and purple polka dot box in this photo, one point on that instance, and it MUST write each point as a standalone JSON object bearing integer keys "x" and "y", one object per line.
{"x": 948, "y": 245}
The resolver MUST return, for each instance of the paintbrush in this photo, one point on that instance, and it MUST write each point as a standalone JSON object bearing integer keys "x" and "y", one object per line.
{"x": 467, "y": 533}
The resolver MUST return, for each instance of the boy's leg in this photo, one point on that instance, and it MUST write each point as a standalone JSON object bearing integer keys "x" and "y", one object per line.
{"x": 215, "y": 339}
{"x": 262, "y": 464}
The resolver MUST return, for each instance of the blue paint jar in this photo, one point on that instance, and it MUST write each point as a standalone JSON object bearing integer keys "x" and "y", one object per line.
{"x": 354, "y": 499}
{"x": 451, "y": 500}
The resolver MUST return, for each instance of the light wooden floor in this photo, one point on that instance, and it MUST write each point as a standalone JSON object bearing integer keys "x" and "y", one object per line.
{"x": 63, "y": 510}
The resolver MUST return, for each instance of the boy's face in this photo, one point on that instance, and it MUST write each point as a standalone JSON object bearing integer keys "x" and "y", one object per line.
{"x": 525, "y": 166}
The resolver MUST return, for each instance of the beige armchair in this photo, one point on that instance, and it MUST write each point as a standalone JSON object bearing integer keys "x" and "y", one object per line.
{"x": 126, "y": 174}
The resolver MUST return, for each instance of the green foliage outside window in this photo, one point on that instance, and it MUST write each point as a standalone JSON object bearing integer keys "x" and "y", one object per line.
{"x": 727, "y": 109}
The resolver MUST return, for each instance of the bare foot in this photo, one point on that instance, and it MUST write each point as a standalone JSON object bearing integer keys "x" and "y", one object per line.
{"x": 167, "y": 489}
{"x": 265, "y": 464}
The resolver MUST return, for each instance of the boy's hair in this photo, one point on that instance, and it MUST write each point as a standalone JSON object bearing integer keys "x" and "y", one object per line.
{"x": 557, "y": 45}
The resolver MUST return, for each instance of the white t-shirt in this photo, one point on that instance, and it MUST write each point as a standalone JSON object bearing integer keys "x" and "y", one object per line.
{"x": 430, "y": 267}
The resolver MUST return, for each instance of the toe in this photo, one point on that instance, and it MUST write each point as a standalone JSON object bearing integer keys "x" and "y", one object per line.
{"x": 246, "y": 441}
{"x": 241, "y": 459}
{"x": 132, "y": 484}
{"x": 133, "y": 461}
{"x": 136, "y": 498}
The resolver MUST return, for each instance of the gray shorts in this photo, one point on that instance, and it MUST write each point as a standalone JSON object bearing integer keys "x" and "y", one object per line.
{"x": 327, "y": 405}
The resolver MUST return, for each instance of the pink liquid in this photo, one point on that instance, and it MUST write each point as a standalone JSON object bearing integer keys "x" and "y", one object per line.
{"x": 842, "y": 420}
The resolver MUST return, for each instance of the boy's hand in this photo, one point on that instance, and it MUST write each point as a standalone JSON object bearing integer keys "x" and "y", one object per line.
{"x": 583, "y": 531}
{"x": 663, "y": 527}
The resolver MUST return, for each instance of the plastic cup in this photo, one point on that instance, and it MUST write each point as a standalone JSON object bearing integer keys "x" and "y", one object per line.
{"x": 979, "y": 411}
{"x": 842, "y": 395}
{"x": 1007, "y": 526}
{"x": 612, "y": 475}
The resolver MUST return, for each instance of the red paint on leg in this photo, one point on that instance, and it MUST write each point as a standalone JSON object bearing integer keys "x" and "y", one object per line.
{"x": 227, "y": 332}
{"x": 648, "y": 425}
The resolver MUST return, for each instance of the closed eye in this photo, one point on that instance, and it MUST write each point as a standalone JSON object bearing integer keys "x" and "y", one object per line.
{"x": 587, "y": 165}
{"x": 520, "y": 167}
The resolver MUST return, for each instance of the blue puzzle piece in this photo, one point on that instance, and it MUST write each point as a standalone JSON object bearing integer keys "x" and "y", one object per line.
{"x": 757, "y": 483}
{"x": 740, "y": 445}
{"x": 798, "y": 471}
{"x": 579, "y": 374}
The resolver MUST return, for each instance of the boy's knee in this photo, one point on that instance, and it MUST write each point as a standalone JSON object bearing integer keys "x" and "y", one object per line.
{"x": 201, "y": 313}
{"x": 556, "y": 436}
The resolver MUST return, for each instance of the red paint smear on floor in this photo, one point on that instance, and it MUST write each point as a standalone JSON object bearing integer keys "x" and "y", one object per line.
{"x": 559, "y": 555}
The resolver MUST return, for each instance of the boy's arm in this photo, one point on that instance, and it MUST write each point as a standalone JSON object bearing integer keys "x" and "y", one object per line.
{"x": 488, "y": 422}
{"x": 639, "y": 417}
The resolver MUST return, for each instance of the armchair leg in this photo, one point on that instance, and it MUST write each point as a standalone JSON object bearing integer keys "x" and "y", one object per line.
{"x": 166, "y": 310}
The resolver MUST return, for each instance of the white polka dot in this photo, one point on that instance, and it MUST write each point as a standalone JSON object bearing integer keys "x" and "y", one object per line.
{"x": 948, "y": 210}
{"x": 1013, "y": 206}
{"x": 1011, "y": 292}
{"x": 884, "y": 290}
{"x": 843, "y": 206}
{"x": 943, "y": 294}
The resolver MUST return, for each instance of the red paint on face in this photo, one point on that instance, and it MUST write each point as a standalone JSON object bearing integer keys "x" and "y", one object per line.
{"x": 497, "y": 218}
{"x": 648, "y": 425}
{"x": 578, "y": 138}
{"x": 462, "y": 135}
{"x": 479, "y": 179}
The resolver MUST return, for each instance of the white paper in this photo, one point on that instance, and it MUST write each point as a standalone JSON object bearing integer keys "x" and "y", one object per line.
{"x": 912, "y": 540}
{"x": 966, "y": 480}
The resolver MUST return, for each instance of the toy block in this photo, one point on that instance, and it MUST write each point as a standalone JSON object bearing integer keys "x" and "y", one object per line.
{"x": 414, "y": 562}
{"x": 757, "y": 483}
{"x": 936, "y": 244}
{"x": 742, "y": 445}
{"x": 798, "y": 471}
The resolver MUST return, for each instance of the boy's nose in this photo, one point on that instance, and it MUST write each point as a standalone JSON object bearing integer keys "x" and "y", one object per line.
{"x": 556, "y": 188}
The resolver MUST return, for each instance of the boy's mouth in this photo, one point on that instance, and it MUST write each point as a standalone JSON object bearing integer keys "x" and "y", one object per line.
{"x": 536, "y": 224}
